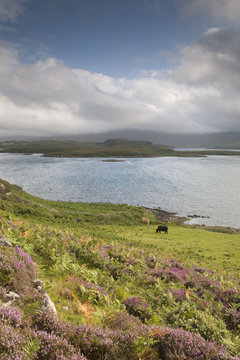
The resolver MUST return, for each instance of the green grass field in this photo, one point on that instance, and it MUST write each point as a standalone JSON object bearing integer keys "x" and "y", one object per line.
{"x": 189, "y": 245}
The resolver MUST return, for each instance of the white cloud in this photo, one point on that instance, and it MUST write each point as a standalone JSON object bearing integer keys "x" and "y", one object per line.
{"x": 212, "y": 31}
{"x": 201, "y": 95}
{"x": 210, "y": 68}
{"x": 11, "y": 9}
{"x": 222, "y": 9}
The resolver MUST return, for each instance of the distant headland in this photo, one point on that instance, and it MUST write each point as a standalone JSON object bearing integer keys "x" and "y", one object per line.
{"x": 111, "y": 148}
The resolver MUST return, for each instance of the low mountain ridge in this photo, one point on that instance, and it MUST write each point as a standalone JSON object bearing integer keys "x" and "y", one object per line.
{"x": 218, "y": 140}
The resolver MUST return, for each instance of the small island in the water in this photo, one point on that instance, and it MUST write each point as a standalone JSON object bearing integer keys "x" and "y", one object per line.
{"x": 112, "y": 148}
{"x": 112, "y": 160}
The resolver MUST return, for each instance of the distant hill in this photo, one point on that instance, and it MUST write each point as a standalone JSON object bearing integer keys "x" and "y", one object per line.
{"x": 129, "y": 143}
{"x": 223, "y": 140}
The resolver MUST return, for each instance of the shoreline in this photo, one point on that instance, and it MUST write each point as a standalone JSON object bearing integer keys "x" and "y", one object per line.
{"x": 166, "y": 216}
{"x": 117, "y": 152}
{"x": 160, "y": 214}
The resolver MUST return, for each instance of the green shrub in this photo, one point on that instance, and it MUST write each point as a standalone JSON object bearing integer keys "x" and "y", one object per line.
{"x": 185, "y": 315}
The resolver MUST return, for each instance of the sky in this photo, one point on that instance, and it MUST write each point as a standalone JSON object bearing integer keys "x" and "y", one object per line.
{"x": 90, "y": 66}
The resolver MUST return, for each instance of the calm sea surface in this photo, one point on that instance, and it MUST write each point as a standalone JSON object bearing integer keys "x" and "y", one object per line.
{"x": 208, "y": 187}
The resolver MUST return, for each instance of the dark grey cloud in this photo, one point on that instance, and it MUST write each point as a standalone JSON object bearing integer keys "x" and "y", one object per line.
{"x": 210, "y": 69}
{"x": 215, "y": 58}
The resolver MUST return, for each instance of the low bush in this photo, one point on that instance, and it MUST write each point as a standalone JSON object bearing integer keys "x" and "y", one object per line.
{"x": 95, "y": 342}
{"x": 185, "y": 315}
{"x": 137, "y": 307}
{"x": 177, "y": 344}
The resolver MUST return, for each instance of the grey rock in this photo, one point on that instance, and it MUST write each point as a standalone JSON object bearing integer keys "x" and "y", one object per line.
{"x": 37, "y": 282}
{"x": 6, "y": 304}
{"x": 4, "y": 241}
{"x": 11, "y": 296}
{"x": 48, "y": 304}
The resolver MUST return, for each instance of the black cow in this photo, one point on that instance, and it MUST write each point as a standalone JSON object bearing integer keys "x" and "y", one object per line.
{"x": 162, "y": 228}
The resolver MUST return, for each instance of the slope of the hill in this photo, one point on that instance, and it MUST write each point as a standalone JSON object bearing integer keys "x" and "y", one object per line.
{"x": 119, "y": 290}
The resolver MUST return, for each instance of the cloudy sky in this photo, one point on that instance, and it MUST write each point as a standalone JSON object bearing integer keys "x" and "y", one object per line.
{"x": 88, "y": 66}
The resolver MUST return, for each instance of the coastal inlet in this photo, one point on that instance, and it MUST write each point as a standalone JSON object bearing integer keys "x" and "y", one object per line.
{"x": 207, "y": 187}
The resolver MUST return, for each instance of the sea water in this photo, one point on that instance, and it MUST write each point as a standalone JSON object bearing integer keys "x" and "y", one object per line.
{"x": 208, "y": 187}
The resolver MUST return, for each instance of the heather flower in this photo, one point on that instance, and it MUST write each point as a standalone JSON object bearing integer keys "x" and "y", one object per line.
{"x": 55, "y": 347}
{"x": 137, "y": 307}
{"x": 157, "y": 273}
{"x": 125, "y": 322}
{"x": 5, "y": 268}
{"x": 174, "y": 273}
{"x": 26, "y": 258}
{"x": 18, "y": 272}
{"x": 201, "y": 283}
{"x": 227, "y": 297}
{"x": 105, "y": 256}
{"x": 48, "y": 322}
{"x": 177, "y": 344}
{"x": 11, "y": 343}
{"x": 96, "y": 343}
{"x": 10, "y": 316}
{"x": 178, "y": 294}
{"x": 232, "y": 319}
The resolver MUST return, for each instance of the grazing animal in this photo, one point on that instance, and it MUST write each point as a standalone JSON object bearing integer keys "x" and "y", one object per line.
{"x": 162, "y": 228}
{"x": 145, "y": 220}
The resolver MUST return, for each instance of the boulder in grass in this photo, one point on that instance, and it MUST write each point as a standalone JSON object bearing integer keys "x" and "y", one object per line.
{"x": 48, "y": 305}
{"x": 9, "y": 298}
{"x": 38, "y": 285}
{"x": 4, "y": 241}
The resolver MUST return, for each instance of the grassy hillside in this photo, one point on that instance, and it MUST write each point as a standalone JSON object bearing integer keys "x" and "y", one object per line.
{"x": 121, "y": 290}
